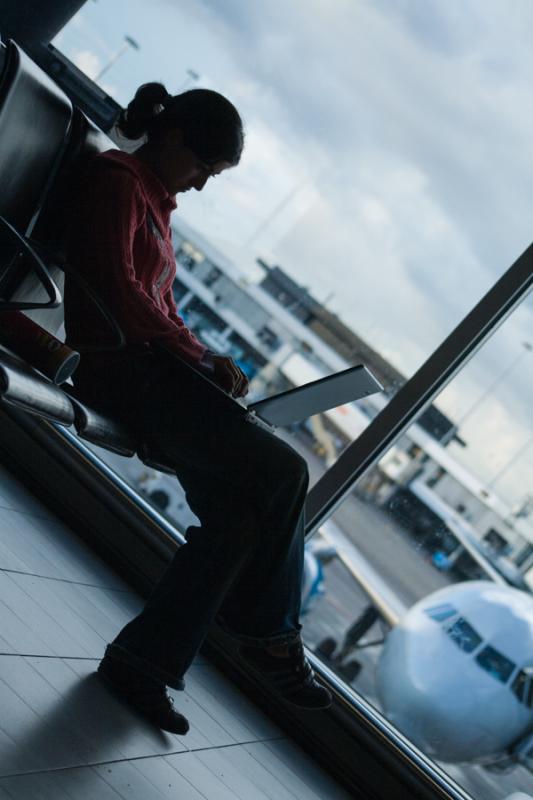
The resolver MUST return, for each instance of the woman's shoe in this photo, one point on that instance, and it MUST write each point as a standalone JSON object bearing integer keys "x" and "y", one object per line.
{"x": 291, "y": 677}
{"x": 145, "y": 695}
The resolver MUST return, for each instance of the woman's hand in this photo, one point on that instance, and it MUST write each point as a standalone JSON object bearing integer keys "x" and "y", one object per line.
{"x": 229, "y": 376}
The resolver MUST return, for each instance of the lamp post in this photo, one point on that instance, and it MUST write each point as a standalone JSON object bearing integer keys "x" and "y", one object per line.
{"x": 192, "y": 76}
{"x": 128, "y": 42}
{"x": 514, "y": 458}
{"x": 527, "y": 349}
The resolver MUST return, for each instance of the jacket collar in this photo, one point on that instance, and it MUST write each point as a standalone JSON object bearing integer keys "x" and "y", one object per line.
{"x": 158, "y": 197}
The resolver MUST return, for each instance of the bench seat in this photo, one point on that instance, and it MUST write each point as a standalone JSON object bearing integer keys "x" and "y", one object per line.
{"x": 35, "y": 202}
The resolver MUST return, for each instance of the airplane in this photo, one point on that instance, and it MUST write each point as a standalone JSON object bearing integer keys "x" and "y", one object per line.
{"x": 455, "y": 671}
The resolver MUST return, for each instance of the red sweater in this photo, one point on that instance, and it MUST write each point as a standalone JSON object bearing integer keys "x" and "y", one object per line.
{"x": 120, "y": 242}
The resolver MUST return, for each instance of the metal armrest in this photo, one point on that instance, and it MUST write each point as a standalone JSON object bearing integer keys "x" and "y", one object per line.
{"x": 64, "y": 266}
{"x": 22, "y": 386}
{"x": 25, "y": 250}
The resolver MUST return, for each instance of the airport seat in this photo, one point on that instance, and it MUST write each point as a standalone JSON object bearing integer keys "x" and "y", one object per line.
{"x": 35, "y": 118}
{"x": 30, "y": 104}
{"x": 44, "y": 139}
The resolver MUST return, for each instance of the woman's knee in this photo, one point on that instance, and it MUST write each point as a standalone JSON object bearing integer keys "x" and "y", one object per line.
{"x": 283, "y": 482}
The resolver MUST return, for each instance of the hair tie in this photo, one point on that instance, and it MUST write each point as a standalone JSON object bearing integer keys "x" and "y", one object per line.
{"x": 158, "y": 108}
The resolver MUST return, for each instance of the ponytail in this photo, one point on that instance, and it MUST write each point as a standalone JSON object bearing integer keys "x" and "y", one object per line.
{"x": 137, "y": 119}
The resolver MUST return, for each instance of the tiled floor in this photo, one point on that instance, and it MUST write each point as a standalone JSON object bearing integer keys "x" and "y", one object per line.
{"x": 62, "y": 735}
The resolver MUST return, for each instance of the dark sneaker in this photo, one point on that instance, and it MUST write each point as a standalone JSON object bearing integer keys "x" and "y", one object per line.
{"x": 292, "y": 677}
{"x": 147, "y": 696}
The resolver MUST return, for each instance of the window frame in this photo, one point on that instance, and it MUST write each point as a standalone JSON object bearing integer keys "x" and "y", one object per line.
{"x": 420, "y": 390}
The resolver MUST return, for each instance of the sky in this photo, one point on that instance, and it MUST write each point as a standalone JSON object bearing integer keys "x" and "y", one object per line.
{"x": 388, "y": 167}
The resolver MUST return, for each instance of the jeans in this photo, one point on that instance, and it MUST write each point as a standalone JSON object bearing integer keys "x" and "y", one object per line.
{"x": 246, "y": 486}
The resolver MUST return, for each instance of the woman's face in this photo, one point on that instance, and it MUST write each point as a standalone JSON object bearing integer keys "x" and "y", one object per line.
{"x": 180, "y": 169}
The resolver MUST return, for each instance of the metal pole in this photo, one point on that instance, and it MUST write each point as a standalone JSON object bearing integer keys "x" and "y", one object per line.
{"x": 527, "y": 349}
{"x": 128, "y": 42}
{"x": 192, "y": 76}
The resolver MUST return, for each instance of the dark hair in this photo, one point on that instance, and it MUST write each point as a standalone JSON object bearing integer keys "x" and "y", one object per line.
{"x": 211, "y": 125}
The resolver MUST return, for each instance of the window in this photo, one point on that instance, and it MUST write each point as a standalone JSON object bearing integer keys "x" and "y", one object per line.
{"x": 459, "y": 630}
{"x": 495, "y": 663}
{"x": 440, "y": 613}
{"x": 437, "y": 475}
{"x": 331, "y": 229}
{"x": 269, "y": 338}
{"x": 496, "y": 541}
{"x": 212, "y": 276}
{"x": 464, "y": 635}
{"x": 381, "y": 214}
{"x": 522, "y": 686}
{"x": 188, "y": 256}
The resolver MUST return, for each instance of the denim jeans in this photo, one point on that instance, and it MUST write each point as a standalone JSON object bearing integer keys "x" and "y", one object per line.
{"x": 246, "y": 486}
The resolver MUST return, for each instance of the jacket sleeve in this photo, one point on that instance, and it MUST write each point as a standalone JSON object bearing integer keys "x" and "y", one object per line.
{"x": 113, "y": 213}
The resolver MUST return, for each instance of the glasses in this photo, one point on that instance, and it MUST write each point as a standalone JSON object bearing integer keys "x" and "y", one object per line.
{"x": 208, "y": 169}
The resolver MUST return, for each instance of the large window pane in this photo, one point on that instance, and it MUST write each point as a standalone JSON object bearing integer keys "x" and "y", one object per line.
{"x": 426, "y": 602}
{"x": 384, "y": 187}
{"x": 370, "y": 189}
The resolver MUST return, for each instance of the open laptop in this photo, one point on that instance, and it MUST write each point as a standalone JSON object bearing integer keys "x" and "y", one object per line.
{"x": 299, "y": 403}
{"x": 312, "y": 398}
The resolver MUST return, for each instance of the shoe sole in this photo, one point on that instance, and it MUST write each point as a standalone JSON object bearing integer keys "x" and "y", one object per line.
{"x": 120, "y": 694}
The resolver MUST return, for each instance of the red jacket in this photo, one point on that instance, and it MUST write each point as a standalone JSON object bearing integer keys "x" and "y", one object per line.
{"x": 120, "y": 242}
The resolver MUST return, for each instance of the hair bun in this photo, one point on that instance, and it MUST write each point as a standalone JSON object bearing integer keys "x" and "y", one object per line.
{"x": 148, "y": 102}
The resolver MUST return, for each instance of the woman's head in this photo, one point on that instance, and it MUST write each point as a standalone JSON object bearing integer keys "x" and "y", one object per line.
{"x": 199, "y": 122}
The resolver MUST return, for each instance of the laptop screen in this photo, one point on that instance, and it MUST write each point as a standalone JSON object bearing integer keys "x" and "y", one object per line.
{"x": 312, "y": 398}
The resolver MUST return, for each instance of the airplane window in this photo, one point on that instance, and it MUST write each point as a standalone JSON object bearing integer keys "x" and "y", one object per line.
{"x": 495, "y": 663}
{"x": 440, "y": 613}
{"x": 522, "y": 687}
{"x": 464, "y": 635}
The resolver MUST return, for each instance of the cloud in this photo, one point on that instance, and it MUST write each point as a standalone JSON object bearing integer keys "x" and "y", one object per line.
{"x": 88, "y": 62}
{"x": 354, "y": 81}
{"x": 346, "y": 78}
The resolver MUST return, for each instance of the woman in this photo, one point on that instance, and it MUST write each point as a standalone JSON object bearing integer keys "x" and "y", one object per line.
{"x": 243, "y": 565}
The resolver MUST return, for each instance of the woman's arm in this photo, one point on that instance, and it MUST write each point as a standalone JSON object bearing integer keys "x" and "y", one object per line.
{"x": 102, "y": 249}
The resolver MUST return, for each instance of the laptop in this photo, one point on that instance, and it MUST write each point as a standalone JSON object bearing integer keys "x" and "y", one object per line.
{"x": 295, "y": 405}
{"x": 312, "y": 398}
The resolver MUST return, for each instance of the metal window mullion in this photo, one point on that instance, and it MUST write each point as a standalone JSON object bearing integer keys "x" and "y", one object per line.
{"x": 418, "y": 392}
